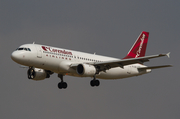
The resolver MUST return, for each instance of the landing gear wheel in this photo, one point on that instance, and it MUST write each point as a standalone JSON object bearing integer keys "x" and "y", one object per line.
{"x": 97, "y": 83}
{"x": 31, "y": 73}
{"x": 94, "y": 82}
{"x": 62, "y": 85}
{"x": 29, "y": 77}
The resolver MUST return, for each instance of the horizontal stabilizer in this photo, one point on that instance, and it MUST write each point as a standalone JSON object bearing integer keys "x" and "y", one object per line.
{"x": 154, "y": 67}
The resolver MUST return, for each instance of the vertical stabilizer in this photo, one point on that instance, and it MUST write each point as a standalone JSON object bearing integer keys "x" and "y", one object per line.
{"x": 139, "y": 47}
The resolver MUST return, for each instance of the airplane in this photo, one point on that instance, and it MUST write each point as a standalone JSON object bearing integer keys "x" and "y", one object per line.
{"x": 44, "y": 60}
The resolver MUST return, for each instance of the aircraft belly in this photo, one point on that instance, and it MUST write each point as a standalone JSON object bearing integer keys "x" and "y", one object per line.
{"x": 118, "y": 73}
{"x": 114, "y": 73}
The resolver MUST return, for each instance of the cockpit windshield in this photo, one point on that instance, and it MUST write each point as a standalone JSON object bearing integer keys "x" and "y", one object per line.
{"x": 26, "y": 49}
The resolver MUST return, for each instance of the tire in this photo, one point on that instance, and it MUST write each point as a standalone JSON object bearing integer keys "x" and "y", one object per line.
{"x": 92, "y": 83}
{"x": 97, "y": 83}
{"x": 60, "y": 85}
{"x": 64, "y": 85}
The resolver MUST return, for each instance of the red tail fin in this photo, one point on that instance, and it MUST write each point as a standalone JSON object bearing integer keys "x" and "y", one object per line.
{"x": 139, "y": 47}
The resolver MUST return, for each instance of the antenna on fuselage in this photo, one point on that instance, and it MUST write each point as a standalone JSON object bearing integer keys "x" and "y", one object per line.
{"x": 33, "y": 42}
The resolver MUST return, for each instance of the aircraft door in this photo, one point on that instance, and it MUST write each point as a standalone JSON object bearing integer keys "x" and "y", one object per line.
{"x": 39, "y": 51}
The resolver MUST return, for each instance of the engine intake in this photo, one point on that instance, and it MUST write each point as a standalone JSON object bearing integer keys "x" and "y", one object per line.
{"x": 86, "y": 70}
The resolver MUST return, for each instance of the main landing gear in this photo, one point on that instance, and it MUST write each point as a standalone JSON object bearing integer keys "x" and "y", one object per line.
{"x": 62, "y": 84}
{"x": 94, "y": 82}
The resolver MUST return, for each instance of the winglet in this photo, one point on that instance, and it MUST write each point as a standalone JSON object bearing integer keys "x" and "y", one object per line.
{"x": 168, "y": 54}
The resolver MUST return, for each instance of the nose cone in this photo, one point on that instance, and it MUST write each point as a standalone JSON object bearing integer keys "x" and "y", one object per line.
{"x": 16, "y": 56}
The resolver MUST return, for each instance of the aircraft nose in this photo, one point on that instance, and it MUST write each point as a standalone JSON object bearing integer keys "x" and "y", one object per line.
{"x": 15, "y": 56}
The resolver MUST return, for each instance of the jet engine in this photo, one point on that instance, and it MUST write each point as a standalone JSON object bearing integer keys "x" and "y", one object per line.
{"x": 86, "y": 70}
{"x": 37, "y": 74}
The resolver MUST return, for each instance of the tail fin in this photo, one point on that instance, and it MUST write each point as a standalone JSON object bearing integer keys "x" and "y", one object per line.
{"x": 139, "y": 47}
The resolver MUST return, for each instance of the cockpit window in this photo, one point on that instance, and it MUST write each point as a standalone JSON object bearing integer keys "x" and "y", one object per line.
{"x": 20, "y": 48}
{"x": 29, "y": 49}
{"x": 26, "y": 49}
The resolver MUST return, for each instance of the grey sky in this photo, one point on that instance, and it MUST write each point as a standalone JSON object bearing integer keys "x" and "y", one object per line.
{"x": 105, "y": 27}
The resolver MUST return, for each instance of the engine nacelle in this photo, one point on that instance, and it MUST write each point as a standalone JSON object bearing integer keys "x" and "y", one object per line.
{"x": 37, "y": 74}
{"x": 86, "y": 70}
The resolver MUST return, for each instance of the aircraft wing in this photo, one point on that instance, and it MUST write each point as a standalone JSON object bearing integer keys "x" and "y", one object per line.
{"x": 121, "y": 63}
{"x": 103, "y": 66}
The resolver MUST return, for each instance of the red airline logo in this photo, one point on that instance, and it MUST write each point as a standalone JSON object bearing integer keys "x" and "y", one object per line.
{"x": 140, "y": 47}
{"x": 49, "y": 49}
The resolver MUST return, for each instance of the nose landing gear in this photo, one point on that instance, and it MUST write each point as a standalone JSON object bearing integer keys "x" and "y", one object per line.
{"x": 31, "y": 73}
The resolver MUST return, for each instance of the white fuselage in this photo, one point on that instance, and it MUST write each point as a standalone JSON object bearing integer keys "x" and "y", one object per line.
{"x": 59, "y": 61}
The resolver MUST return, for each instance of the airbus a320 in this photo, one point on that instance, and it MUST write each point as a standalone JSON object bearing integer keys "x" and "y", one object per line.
{"x": 44, "y": 60}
